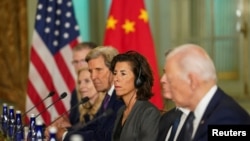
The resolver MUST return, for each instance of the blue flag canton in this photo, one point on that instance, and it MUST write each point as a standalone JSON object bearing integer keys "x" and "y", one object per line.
{"x": 56, "y": 23}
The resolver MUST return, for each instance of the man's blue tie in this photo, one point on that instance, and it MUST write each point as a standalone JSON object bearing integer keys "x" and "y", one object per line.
{"x": 187, "y": 129}
{"x": 176, "y": 122}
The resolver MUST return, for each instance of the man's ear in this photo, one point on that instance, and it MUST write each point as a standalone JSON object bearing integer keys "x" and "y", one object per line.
{"x": 194, "y": 80}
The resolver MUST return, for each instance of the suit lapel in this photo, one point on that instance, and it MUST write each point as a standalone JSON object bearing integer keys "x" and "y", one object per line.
{"x": 166, "y": 122}
{"x": 214, "y": 102}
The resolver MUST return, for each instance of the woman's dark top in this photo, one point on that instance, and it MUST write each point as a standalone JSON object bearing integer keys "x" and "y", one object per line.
{"x": 118, "y": 130}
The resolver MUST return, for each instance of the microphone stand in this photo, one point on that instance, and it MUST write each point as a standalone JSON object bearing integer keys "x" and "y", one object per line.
{"x": 49, "y": 95}
{"x": 106, "y": 113}
{"x": 63, "y": 95}
{"x": 83, "y": 100}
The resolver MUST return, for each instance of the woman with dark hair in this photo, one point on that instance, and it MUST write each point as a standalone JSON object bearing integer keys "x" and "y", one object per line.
{"x": 138, "y": 119}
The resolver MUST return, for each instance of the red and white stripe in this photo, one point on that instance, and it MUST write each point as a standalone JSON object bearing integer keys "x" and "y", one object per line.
{"x": 49, "y": 73}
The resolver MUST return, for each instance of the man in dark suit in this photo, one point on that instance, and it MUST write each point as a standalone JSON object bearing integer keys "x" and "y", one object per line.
{"x": 99, "y": 60}
{"x": 191, "y": 76}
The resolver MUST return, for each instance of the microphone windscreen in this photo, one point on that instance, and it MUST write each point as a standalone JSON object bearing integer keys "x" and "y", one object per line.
{"x": 51, "y": 94}
{"x": 63, "y": 95}
{"x": 85, "y": 99}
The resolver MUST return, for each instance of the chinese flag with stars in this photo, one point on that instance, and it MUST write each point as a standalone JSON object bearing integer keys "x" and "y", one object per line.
{"x": 128, "y": 29}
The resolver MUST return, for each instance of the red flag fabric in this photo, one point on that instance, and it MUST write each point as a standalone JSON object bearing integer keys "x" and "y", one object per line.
{"x": 55, "y": 34}
{"x": 128, "y": 28}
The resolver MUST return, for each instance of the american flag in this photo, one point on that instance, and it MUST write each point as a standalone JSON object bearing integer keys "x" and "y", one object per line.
{"x": 55, "y": 34}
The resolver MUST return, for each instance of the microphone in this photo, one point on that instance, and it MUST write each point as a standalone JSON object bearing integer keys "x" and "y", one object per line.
{"x": 83, "y": 100}
{"x": 49, "y": 95}
{"x": 63, "y": 95}
{"x": 106, "y": 113}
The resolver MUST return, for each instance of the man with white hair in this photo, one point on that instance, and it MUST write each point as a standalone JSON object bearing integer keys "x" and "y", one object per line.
{"x": 191, "y": 76}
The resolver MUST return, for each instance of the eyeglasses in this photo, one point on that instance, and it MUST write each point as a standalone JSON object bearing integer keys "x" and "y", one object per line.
{"x": 75, "y": 62}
